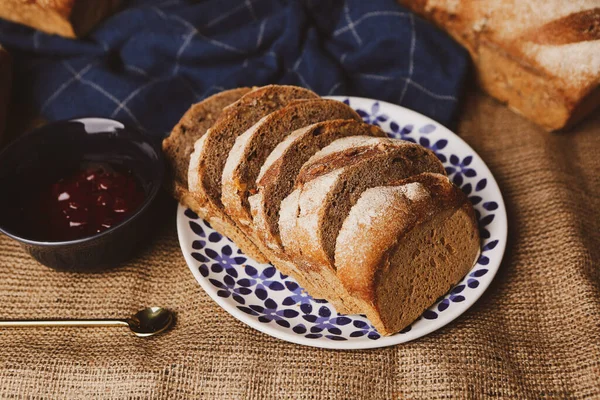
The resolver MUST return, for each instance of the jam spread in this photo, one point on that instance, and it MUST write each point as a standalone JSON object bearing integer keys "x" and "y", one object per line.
{"x": 86, "y": 202}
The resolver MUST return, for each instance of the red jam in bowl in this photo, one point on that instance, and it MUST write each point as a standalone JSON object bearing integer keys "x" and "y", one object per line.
{"x": 86, "y": 202}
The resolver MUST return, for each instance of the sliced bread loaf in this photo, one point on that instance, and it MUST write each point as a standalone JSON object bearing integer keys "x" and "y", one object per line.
{"x": 212, "y": 149}
{"x": 179, "y": 145}
{"x": 312, "y": 215}
{"x": 278, "y": 174}
{"x": 402, "y": 247}
{"x": 252, "y": 148}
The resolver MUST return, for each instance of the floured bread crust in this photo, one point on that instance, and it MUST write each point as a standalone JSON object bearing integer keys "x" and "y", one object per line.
{"x": 411, "y": 241}
{"x": 540, "y": 57}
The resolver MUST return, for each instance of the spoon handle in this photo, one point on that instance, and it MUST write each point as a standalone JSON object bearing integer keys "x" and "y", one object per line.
{"x": 65, "y": 322}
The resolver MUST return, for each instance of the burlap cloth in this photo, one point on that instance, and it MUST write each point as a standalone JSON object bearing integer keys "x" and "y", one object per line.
{"x": 534, "y": 334}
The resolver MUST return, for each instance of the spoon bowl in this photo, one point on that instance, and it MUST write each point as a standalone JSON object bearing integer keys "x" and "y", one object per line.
{"x": 150, "y": 321}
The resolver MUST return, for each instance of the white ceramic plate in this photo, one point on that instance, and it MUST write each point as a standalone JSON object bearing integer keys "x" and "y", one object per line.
{"x": 262, "y": 297}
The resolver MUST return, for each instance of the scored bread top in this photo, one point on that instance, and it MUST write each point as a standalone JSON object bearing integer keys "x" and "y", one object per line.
{"x": 376, "y": 222}
{"x": 310, "y": 218}
{"x": 278, "y": 173}
{"x": 209, "y": 156}
{"x": 252, "y": 148}
{"x": 179, "y": 145}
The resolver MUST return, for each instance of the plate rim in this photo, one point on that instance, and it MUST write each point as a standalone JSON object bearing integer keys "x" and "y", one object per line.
{"x": 383, "y": 341}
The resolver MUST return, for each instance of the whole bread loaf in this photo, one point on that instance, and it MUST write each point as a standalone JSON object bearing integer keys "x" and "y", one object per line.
{"x": 540, "y": 57}
{"x": 70, "y": 18}
{"x": 404, "y": 246}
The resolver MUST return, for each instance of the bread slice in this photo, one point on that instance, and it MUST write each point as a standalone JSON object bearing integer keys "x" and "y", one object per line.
{"x": 278, "y": 174}
{"x": 252, "y": 148}
{"x": 402, "y": 247}
{"x": 328, "y": 185}
{"x": 179, "y": 145}
{"x": 212, "y": 149}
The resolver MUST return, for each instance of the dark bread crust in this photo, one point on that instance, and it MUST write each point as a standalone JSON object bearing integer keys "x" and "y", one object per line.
{"x": 574, "y": 28}
{"x": 337, "y": 160}
{"x": 179, "y": 145}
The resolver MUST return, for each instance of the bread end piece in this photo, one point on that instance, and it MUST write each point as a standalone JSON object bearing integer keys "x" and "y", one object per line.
{"x": 402, "y": 247}
{"x": 530, "y": 93}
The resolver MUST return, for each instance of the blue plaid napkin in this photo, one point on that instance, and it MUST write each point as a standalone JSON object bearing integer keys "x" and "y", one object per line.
{"x": 148, "y": 63}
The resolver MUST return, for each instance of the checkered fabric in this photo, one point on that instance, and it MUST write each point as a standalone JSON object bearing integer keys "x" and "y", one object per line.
{"x": 149, "y": 62}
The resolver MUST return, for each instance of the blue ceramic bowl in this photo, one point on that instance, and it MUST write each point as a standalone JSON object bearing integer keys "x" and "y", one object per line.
{"x": 61, "y": 145}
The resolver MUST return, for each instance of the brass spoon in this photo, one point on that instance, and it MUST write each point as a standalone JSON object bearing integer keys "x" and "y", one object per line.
{"x": 147, "y": 322}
